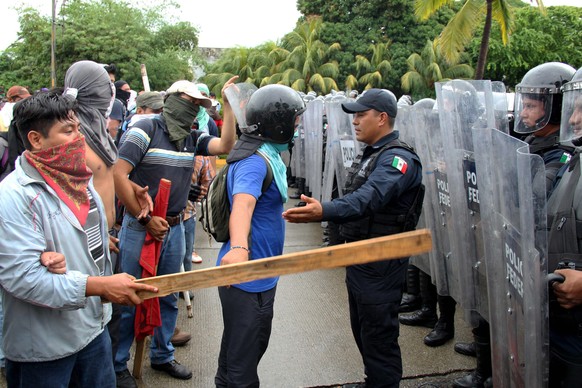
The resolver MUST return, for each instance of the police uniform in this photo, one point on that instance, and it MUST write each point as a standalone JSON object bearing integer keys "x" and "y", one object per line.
{"x": 383, "y": 196}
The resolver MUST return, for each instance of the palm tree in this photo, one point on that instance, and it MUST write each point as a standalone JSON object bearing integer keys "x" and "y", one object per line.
{"x": 428, "y": 67}
{"x": 308, "y": 66}
{"x": 250, "y": 64}
{"x": 459, "y": 31}
{"x": 373, "y": 73}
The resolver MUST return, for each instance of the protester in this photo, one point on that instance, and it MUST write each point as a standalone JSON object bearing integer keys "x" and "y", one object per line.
{"x": 54, "y": 323}
{"x": 256, "y": 229}
{"x": 163, "y": 146}
{"x": 383, "y": 196}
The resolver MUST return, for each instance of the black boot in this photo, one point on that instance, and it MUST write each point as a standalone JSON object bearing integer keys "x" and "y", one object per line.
{"x": 411, "y": 300}
{"x": 444, "y": 330}
{"x": 427, "y": 315}
{"x": 481, "y": 376}
{"x": 465, "y": 348}
{"x": 300, "y": 188}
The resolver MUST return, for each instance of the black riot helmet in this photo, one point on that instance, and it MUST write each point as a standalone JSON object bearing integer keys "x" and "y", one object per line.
{"x": 538, "y": 97}
{"x": 271, "y": 113}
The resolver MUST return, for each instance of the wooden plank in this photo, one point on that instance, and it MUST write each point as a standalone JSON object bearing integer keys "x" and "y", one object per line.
{"x": 359, "y": 252}
{"x": 138, "y": 357}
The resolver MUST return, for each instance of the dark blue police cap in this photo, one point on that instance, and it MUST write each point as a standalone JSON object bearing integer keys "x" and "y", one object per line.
{"x": 377, "y": 99}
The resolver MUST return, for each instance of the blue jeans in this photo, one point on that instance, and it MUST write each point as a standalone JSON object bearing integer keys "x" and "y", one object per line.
{"x": 90, "y": 367}
{"x": 131, "y": 241}
{"x": 189, "y": 230}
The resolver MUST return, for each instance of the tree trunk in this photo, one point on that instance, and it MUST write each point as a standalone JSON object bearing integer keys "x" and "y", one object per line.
{"x": 484, "y": 42}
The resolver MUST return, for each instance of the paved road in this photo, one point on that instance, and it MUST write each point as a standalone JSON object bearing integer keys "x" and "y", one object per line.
{"x": 311, "y": 343}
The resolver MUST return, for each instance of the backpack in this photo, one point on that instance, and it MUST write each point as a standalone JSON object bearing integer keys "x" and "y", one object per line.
{"x": 215, "y": 207}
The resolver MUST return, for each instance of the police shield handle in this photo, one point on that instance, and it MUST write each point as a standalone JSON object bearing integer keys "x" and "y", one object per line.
{"x": 382, "y": 248}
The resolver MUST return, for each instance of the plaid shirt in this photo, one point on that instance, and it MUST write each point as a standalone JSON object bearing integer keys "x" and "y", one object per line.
{"x": 202, "y": 176}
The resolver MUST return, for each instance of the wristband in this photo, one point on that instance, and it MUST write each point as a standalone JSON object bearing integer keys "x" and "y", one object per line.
{"x": 145, "y": 220}
{"x": 240, "y": 247}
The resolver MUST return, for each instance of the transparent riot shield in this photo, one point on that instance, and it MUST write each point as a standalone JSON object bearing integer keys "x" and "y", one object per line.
{"x": 298, "y": 158}
{"x": 238, "y": 96}
{"x": 464, "y": 105}
{"x": 341, "y": 147}
{"x": 512, "y": 194}
{"x": 411, "y": 123}
{"x": 430, "y": 146}
{"x": 313, "y": 127}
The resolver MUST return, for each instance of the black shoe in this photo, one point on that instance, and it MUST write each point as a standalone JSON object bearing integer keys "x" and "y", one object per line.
{"x": 410, "y": 303}
{"x": 441, "y": 334}
{"x": 174, "y": 369}
{"x": 424, "y": 317}
{"x": 124, "y": 379}
{"x": 472, "y": 380}
{"x": 466, "y": 349}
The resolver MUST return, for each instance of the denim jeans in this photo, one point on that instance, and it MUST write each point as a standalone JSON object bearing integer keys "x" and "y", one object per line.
{"x": 189, "y": 230}
{"x": 131, "y": 241}
{"x": 90, "y": 367}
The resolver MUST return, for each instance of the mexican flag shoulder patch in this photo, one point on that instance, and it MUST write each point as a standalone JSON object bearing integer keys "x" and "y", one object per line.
{"x": 400, "y": 164}
{"x": 565, "y": 158}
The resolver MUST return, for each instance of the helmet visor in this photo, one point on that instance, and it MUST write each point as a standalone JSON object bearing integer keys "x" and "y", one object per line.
{"x": 532, "y": 111}
{"x": 571, "y": 125}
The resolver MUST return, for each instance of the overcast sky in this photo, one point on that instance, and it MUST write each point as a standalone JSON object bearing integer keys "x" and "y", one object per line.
{"x": 226, "y": 23}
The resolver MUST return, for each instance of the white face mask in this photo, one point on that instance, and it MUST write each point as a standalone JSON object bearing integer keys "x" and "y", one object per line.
{"x": 110, "y": 108}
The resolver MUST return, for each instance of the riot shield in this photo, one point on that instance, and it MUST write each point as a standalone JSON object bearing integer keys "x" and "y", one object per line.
{"x": 413, "y": 128}
{"x": 341, "y": 146}
{"x": 430, "y": 146}
{"x": 238, "y": 96}
{"x": 464, "y": 105}
{"x": 512, "y": 194}
{"x": 313, "y": 127}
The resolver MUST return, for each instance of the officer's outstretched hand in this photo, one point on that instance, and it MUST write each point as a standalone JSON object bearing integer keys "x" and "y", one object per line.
{"x": 569, "y": 293}
{"x": 311, "y": 211}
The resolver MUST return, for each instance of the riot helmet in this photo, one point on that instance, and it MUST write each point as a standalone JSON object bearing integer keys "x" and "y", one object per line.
{"x": 425, "y": 103}
{"x": 571, "y": 127}
{"x": 460, "y": 97}
{"x": 538, "y": 97}
{"x": 271, "y": 113}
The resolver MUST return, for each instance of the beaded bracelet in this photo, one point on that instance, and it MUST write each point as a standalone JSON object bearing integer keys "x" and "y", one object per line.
{"x": 240, "y": 247}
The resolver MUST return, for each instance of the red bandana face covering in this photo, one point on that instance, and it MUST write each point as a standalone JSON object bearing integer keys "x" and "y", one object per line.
{"x": 64, "y": 169}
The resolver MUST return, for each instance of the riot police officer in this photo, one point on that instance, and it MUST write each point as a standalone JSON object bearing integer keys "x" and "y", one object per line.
{"x": 383, "y": 196}
{"x": 564, "y": 250}
{"x": 538, "y": 112}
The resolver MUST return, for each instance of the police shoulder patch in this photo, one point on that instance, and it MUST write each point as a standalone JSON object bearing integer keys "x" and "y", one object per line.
{"x": 400, "y": 164}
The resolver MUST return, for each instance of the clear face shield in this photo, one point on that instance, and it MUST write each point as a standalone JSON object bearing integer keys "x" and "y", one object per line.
{"x": 533, "y": 109}
{"x": 571, "y": 125}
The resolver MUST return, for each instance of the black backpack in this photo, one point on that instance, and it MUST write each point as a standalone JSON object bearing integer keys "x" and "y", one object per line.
{"x": 215, "y": 207}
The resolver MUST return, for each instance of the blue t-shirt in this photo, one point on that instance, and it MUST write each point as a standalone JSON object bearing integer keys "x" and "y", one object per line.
{"x": 267, "y": 226}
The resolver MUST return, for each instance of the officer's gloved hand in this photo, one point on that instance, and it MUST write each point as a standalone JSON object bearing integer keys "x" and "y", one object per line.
{"x": 194, "y": 193}
{"x": 405, "y": 100}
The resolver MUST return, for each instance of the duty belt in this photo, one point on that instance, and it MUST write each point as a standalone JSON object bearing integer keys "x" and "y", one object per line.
{"x": 175, "y": 220}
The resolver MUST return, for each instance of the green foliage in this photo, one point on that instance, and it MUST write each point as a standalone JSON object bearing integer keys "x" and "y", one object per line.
{"x": 537, "y": 38}
{"x": 429, "y": 67}
{"x": 105, "y": 31}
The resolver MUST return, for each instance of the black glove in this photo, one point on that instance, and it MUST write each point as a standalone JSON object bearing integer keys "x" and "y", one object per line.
{"x": 194, "y": 193}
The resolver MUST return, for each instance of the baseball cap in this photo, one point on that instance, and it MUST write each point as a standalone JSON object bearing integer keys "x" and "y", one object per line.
{"x": 190, "y": 89}
{"x": 377, "y": 99}
{"x": 152, "y": 100}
